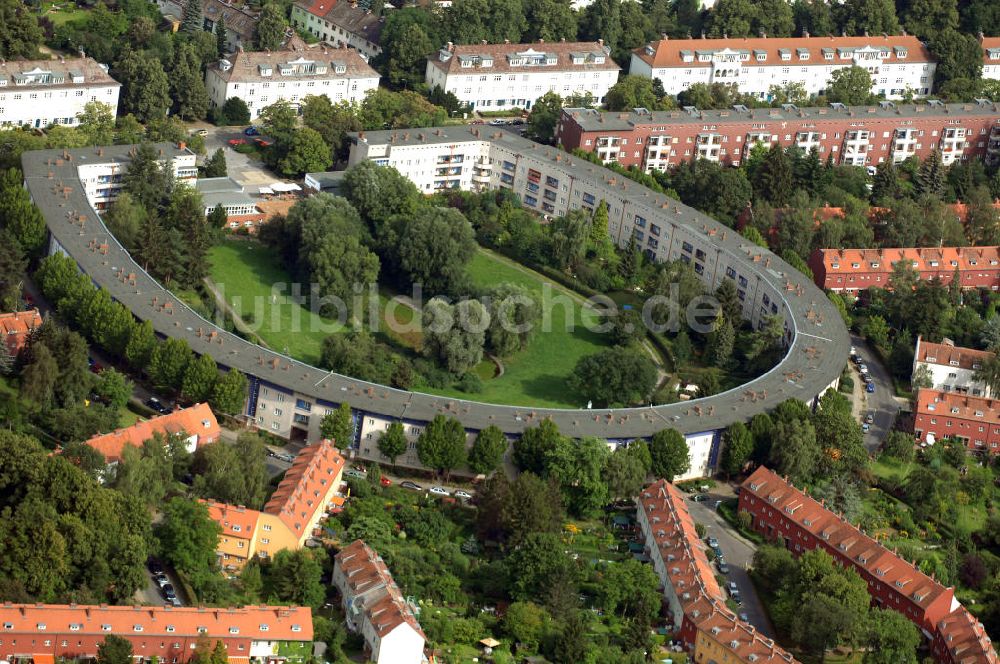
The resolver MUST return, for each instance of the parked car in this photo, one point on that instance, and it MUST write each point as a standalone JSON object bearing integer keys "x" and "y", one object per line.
{"x": 161, "y": 579}
{"x": 734, "y": 592}
{"x": 175, "y": 602}
{"x": 865, "y": 427}
{"x": 863, "y": 368}
{"x": 744, "y": 617}
{"x": 464, "y": 495}
{"x": 157, "y": 405}
{"x": 385, "y": 481}
{"x": 439, "y": 491}
{"x": 854, "y": 351}
{"x": 262, "y": 142}
{"x": 413, "y": 486}
{"x": 870, "y": 418}
{"x": 251, "y": 131}
{"x": 236, "y": 142}
{"x": 287, "y": 457}
{"x": 202, "y": 132}
{"x": 699, "y": 498}
{"x": 870, "y": 387}
{"x": 154, "y": 566}
{"x": 168, "y": 591}
{"x": 713, "y": 543}
{"x": 722, "y": 565}
{"x": 858, "y": 359}
{"x": 355, "y": 473}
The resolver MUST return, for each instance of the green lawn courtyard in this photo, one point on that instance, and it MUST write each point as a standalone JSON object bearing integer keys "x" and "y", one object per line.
{"x": 244, "y": 272}
{"x": 61, "y": 12}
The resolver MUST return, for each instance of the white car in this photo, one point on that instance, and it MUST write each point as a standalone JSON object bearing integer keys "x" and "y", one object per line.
{"x": 464, "y": 495}
{"x": 439, "y": 491}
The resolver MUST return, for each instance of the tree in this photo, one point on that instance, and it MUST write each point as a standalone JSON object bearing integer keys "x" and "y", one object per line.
{"x": 876, "y": 330}
{"x": 97, "y": 123}
{"x": 229, "y": 392}
{"x": 738, "y": 446}
{"x": 220, "y": 35}
{"x": 794, "y": 450}
{"x": 432, "y": 248}
{"x": 187, "y": 84}
{"x": 733, "y": 18}
{"x": 146, "y": 472}
{"x": 338, "y": 426}
{"x": 168, "y": 364}
{"x": 539, "y": 563}
{"x": 270, "y": 31}
{"x": 625, "y": 473}
{"x": 401, "y": 58}
{"x": 551, "y": 20}
{"x": 235, "y": 474}
{"x": 18, "y": 214}
{"x": 294, "y": 577}
{"x": 487, "y": 450}
{"x": 379, "y": 193}
{"x": 145, "y": 89}
{"x": 530, "y": 451}
{"x": 514, "y": 313}
{"x": 526, "y": 623}
{"x": 871, "y": 17}
{"x": 568, "y": 239}
{"x": 545, "y": 113}
{"x": 191, "y": 18}
{"x": 114, "y": 387}
{"x": 215, "y": 166}
{"x": 114, "y": 650}
{"x": 141, "y": 343}
{"x": 441, "y": 445}
{"x": 39, "y": 377}
{"x": 773, "y": 178}
{"x": 631, "y": 92}
{"x": 670, "y": 454}
{"x": 930, "y": 178}
{"x": 886, "y": 186}
{"x": 392, "y": 442}
{"x": 721, "y": 341}
{"x": 892, "y": 638}
{"x": 983, "y": 221}
{"x": 578, "y": 467}
{"x": 125, "y": 219}
{"x": 188, "y": 536}
{"x": 960, "y": 61}
{"x": 615, "y": 375}
{"x": 307, "y": 152}
{"x": 455, "y": 334}
{"x": 20, "y": 34}
{"x": 234, "y": 112}
{"x": 339, "y": 266}
{"x": 850, "y": 85}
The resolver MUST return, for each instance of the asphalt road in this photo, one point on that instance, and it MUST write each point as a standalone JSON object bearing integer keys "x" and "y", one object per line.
{"x": 738, "y": 553}
{"x": 882, "y": 402}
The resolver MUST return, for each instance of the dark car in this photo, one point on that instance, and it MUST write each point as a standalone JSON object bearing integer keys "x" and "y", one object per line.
{"x": 722, "y": 564}
{"x": 251, "y": 131}
{"x": 157, "y": 405}
{"x": 413, "y": 486}
{"x": 154, "y": 566}
{"x": 168, "y": 592}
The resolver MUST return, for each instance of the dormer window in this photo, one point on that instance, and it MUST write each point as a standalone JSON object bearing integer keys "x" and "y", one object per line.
{"x": 785, "y": 54}
{"x": 137, "y": 628}
{"x": 237, "y": 528}
{"x": 263, "y": 627}
{"x": 8, "y": 625}
{"x": 75, "y": 627}
{"x": 761, "y": 56}
{"x": 265, "y": 70}
{"x": 835, "y": 266}
{"x": 40, "y": 627}
{"x": 296, "y": 628}
{"x": 105, "y": 628}
{"x": 170, "y": 629}
{"x": 855, "y": 265}
{"x": 234, "y": 630}
{"x": 202, "y": 630}
{"x": 875, "y": 265}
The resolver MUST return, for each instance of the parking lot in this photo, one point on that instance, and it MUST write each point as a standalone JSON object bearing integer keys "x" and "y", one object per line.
{"x": 245, "y": 169}
{"x": 151, "y": 594}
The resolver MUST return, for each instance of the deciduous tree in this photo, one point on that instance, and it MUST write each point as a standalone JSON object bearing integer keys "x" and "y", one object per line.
{"x": 270, "y": 31}
{"x": 670, "y": 454}
{"x": 616, "y": 375}
{"x": 338, "y": 426}
{"x": 392, "y": 442}
{"x": 487, "y": 450}
{"x": 441, "y": 445}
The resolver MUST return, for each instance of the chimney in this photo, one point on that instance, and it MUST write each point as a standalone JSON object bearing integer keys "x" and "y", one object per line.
{"x": 599, "y": 41}
{"x": 181, "y": 145}
{"x": 805, "y": 33}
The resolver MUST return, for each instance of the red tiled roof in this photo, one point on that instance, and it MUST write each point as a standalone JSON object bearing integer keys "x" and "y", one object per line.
{"x": 367, "y": 574}
{"x": 990, "y": 43}
{"x": 279, "y": 623}
{"x": 838, "y": 533}
{"x": 947, "y": 258}
{"x": 20, "y": 322}
{"x": 196, "y": 420}
{"x": 300, "y": 494}
{"x": 668, "y": 52}
{"x": 961, "y": 406}
{"x": 238, "y": 522}
{"x": 951, "y": 355}
{"x": 965, "y": 639}
{"x": 741, "y": 638}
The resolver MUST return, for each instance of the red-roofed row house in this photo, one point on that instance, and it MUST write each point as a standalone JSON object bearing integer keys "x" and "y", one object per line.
{"x": 782, "y": 512}
{"x": 854, "y": 270}
{"x": 196, "y": 423}
{"x": 252, "y": 634}
{"x": 975, "y": 421}
{"x": 697, "y": 605}
{"x": 375, "y": 607}
{"x": 309, "y": 488}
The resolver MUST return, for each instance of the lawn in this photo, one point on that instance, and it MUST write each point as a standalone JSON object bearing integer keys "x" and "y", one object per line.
{"x": 537, "y": 375}
{"x": 245, "y": 272}
{"x": 62, "y": 12}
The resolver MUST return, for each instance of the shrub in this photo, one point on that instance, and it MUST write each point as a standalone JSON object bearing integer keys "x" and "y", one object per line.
{"x": 470, "y": 383}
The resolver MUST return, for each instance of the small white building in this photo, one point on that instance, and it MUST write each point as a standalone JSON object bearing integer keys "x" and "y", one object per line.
{"x": 375, "y": 607}
{"x": 950, "y": 368}
{"x": 340, "y": 23}
{"x": 496, "y": 77}
{"x": 39, "y": 93}
{"x": 991, "y": 57}
{"x": 753, "y": 65}
{"x": 261, "y": 78}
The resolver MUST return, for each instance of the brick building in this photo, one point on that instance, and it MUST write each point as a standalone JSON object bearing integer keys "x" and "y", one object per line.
{"x": 16, "y": 327}
{"x": 854, "y": 270}
{"x": 288, "y": 520}
{"x": 781, "y": 512}
{"x": 853, "y": 135}
{"x": 252, "y": 635}
{"x": 696, "y": 603}
{"x": 973, "y": 420}
{"x": 897, "y": 64}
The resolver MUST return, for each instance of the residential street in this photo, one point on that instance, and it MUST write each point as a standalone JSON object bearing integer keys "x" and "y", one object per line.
{"x": 737, "y": 551}
{"x": 882, "y": 402}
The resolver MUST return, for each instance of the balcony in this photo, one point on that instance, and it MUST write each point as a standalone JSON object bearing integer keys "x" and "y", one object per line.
{"x": 451, "y": 159}
{"x": 456, "y": 170}
{"x": 608, "y": 141}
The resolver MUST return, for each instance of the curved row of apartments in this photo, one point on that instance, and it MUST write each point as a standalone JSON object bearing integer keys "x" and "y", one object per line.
{"x": 289, "y": 398}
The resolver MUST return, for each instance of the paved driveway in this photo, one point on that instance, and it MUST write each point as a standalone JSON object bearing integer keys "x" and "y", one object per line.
{"x": 249, "y": 172}
{"x": 738, "y": 553}
{"x": 882, "y": 402}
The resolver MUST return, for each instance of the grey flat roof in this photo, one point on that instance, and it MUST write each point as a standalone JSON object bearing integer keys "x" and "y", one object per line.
{"x": 215, "y": 185}
{"x": 594, "y": 120}
{"x": 814, "y": 358}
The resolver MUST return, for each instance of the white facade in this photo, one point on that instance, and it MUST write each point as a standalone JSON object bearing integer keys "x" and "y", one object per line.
{"x": 991, "y": 57}
{"x": 340, "y": 24}
{"x": 435, "y": 167}
{"x": 39, "y": 93}
{"x": 263, "y": 78}
{"x": 950, "y": 368}
{"x": 753, "y": 66}
{"x": 495, "y": 77}
{"x": 102, "y": 182}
